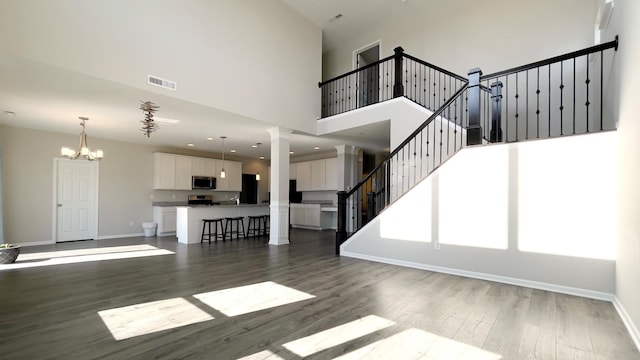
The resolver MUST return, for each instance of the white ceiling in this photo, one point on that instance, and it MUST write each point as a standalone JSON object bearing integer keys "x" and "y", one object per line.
{"x": 49, "y": 98}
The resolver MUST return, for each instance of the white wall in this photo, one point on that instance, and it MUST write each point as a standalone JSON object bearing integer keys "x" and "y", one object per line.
{"x": 460, "y": 35}
{"x": 126, "y": 183}
{"x": 223, "y": 54}
{"x": 624, "y": 92}
{"x": 529, "y": 213}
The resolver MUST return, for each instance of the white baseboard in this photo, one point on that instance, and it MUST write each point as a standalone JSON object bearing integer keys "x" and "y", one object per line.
{"x": 490, "y": 277}
{"x": 107, "y": 237}
{"x": 36, "y": 243}
{"x": 628, "y": 322}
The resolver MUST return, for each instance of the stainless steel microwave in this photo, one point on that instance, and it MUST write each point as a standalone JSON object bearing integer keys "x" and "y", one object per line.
{"x": 203, "y": 182}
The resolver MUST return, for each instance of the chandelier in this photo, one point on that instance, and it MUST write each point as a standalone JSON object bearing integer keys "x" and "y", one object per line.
{"x": 148, "y": 125}
{"x": 83, "y": 149}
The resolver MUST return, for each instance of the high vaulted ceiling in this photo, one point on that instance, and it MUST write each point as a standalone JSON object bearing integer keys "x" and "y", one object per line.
{"x": 45, "y": 97}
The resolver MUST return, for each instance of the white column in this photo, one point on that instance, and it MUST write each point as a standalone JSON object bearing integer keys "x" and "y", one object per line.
{"x": 347, "y": 167}
{"x": 279, "y": 208}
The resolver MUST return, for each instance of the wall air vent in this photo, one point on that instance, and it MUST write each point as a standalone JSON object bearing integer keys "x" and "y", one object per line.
{"x": 163, "y": 83}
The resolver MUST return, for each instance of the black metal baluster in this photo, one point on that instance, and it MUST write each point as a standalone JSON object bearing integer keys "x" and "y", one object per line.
{"x": 587, "y": 86}
{"x": 538, "y": 103}
{"x": 574, "y": 96}
{"x": 561, "y": 95}
{"x": 601, "y": 85}
{"x": 506, "y": 117}
{"x": 440, "y": 161}
{"x": 527, "y": 107}
{"x": 517, "y": 105}
{"x": 549, "y": 89}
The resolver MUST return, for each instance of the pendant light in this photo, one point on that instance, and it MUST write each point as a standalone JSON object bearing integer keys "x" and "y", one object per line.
{"x": 222, "y": 173}
{"x": 83, "y": 148}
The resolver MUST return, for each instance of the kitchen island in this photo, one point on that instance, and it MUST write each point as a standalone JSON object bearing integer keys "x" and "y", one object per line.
{"x": 189, "y": 218}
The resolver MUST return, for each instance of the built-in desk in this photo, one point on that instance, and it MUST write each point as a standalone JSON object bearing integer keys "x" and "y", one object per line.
{"x": 189, "y": 218}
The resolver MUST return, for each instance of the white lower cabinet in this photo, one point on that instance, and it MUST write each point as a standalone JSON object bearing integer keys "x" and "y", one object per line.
{"x": 165, "y": 217}
{"x": 309, "y": 216}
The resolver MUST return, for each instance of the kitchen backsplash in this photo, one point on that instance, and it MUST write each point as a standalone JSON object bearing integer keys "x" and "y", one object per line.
{"x": 319, "y": 197}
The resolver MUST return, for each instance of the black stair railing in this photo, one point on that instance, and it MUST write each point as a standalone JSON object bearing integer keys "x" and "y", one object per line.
{"x": 428, "y": 147}
{"x": 562, "y": 95}
{"x": 394, "y": 76}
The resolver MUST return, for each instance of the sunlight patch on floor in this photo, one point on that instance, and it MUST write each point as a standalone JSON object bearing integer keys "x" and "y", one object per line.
{"x": 22, "y": 264}
{"x": 337, "y": 335}
{"x": 262, "y": 355}
{"x": 250, "y": 298}
{"x": 419, "y": 344}
{"x": 78, "y": 252}
{"x": 146, "y": 318}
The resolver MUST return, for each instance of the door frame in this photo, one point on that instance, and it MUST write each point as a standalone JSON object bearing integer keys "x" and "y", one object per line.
{"x": 54, "y": 205}
{"x": 356, "y": 52}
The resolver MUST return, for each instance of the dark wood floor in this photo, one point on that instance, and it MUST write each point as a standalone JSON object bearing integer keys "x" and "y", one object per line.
{"x": 51, "y": 312}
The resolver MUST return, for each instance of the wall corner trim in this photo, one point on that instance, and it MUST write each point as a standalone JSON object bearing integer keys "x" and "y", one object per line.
{"x": 628, "y": 322}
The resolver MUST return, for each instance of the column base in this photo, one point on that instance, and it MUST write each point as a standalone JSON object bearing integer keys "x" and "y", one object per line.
{"x": 279, "y": 226}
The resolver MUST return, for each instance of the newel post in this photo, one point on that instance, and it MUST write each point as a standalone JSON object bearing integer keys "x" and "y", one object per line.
{"x": 474, "y": 131}
{"x": 341, "y": 232}
{"x": 496, "y": 112}
{"x": 398, "y": 85}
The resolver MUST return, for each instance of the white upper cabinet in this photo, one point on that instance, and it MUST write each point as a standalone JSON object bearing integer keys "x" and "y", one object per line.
{"x": 174, "y": 172}
{"x": 318, "y": 175}
{"x": 303, "y": 176}
{"x": 183, "y": 172}
{"x": 331, "y": 174}
{"x": 233, "y": 176}
{"x": 164, "y": 171}
{"x": 203, "y": 167}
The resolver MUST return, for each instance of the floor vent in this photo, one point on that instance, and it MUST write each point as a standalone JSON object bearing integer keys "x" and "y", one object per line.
{"x": 163, "y": 83}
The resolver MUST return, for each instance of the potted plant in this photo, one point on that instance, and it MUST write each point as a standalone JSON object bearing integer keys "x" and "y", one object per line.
{"x": 8, "y": 253}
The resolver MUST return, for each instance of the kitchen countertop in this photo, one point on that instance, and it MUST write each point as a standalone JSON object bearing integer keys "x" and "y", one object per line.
{"x": 223, "y": 206}
{"x": 168, "y": 203}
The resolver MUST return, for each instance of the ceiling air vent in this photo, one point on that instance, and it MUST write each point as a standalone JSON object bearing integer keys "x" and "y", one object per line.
{"x": 163, "y": 83}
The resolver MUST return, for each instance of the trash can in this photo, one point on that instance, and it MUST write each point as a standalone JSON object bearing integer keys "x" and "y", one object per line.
{"x": 149, "y": 228}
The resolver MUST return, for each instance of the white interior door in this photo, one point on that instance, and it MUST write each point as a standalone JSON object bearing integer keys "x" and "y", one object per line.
{"x": 76, "y": 200}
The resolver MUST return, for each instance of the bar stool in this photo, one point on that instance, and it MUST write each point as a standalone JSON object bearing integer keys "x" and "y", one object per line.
{"x": 206, "y": 223}
{"x": 255, "y": 226}
{"x": 266, "y": 224}
{"x": 228, "y": 227}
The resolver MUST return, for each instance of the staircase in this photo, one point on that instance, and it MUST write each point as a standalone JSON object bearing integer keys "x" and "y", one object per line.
{"x": 560, "y": 96}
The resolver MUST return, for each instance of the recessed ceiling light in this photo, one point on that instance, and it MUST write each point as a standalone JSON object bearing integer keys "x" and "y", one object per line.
{"x": 291, "y": 153}
{"x": 166, "y": 121}
{"x": 209, "y": 138}
{"x": 232, "y": 151}
{"x": 9, "y": 113}
{"x": 316, "y": 148}
{"x": 261, "y": 158}
{"x": 254, "y": 146}
{"x": 190, "y": 145}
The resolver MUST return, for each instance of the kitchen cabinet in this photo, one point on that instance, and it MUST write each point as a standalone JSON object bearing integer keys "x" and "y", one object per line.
{"x": 233, "y": 178}
{"x": 318, "y": 175}
{"x": 183, "y": 173}
{"x": 306, "y": 216}
{"x": 331, "y": 174}
{"x": 164, "y": 171}
{"x": 203, "y": 167}
{"x": 292, "y": 172}
{"x": 174, "y": 172}
{"x": 303, "y": 176}
{"x": 165, "y": 217}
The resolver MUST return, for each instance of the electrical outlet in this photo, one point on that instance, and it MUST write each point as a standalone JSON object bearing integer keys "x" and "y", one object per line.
{"x": 173, "y": 196}
{"x": 436, "y": 245}
{"x": 130, "y": 223}
{"x": 151, "y": 196}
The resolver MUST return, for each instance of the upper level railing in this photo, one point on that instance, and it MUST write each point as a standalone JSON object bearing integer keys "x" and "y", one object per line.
{"x": 394, "y": 76}
{"x": 563, "y": 95}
